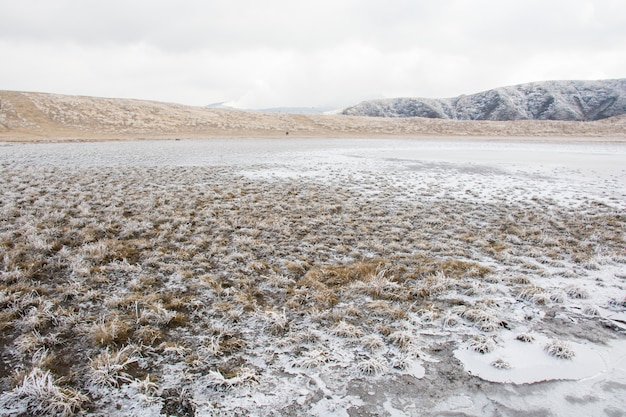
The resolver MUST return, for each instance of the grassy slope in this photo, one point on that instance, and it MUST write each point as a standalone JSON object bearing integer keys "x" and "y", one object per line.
{"x": 26, "y": 117}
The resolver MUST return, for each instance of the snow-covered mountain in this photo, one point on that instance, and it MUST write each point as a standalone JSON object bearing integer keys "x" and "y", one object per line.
{"x": 549, "y": 100}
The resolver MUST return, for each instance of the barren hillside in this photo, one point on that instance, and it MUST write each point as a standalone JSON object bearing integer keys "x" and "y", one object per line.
{"x": 26, "y": 116}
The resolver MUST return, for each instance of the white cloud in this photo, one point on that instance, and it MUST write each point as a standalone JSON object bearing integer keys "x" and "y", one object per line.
{"x": 304, "y": 53}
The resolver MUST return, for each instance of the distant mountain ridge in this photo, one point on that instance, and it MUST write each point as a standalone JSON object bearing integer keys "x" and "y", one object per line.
{"x": 548, "y": 100}
{"x": 43, "y": 117}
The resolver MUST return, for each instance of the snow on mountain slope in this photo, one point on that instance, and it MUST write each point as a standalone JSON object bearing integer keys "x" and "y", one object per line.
{"x": 549, "y": 100}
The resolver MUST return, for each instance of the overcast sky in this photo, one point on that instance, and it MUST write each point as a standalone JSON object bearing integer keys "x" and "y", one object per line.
{"x": 258, "y": 54}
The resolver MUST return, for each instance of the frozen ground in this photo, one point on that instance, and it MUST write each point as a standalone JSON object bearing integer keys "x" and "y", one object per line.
{"x": 313, "y": 277}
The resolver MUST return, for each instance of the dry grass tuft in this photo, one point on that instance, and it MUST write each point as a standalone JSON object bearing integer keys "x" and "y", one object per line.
{"x": 110, "y": 367}
{"x": 577, "y": 292}
{"x": 482, "y": 344}
{"x": 525, "y": 337}
{"x": 40, "y": 393}
{"x": 110, "y": 332}
{"x": 241, "y": 376}
{"x": 501, "y": 364}
{"x": 533, "y": 294}
{"x": 372, "y": 366}
{"x": 348, "y": 330}
{"x": 559, "y": 349}
{"x": 313, "y": 359}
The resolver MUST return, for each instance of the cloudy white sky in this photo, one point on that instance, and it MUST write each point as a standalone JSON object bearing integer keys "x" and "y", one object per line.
{"x": 334, "y": 53}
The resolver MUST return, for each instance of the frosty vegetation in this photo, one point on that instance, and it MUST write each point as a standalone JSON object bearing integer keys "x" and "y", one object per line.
{"x": 188, "y": 289}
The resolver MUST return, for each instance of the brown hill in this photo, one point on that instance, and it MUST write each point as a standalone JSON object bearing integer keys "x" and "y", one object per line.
{"x": 26, "y": 117}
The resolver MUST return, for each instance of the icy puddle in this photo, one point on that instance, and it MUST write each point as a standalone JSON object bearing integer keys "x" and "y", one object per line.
{"x": 313, "y": 278}
{"x": 541, "y": 359}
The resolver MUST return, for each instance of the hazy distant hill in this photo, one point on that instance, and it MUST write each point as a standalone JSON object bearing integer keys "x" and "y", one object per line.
{"x": 297, "y": 110}
{"x": 284, "y": 110}
{"x": 549, "y": 100}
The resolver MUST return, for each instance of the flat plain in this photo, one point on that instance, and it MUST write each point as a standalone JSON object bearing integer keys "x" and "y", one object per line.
{"x": 322, "y": 277}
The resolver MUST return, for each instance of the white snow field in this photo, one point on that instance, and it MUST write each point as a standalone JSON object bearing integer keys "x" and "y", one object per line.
{"x": 313, "y": 277}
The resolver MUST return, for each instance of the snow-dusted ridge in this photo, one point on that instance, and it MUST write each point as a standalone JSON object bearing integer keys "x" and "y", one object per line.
{"x": 548, "y": 100}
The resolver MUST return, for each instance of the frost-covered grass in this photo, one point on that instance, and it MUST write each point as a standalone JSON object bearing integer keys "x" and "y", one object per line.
{"x": 148, "y": 280}
{"x": 559, "y": 349}
{"x": 40, "y": 394}
{"x": 482, "y": 344}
